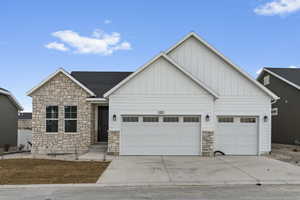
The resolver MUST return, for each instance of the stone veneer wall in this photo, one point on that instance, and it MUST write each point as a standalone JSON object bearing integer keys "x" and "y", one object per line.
{"x": 207, "y": 143}
{"x": 113, "y": 142}
{"x": 25, "y": 124}
{"x": 61, "y": 91}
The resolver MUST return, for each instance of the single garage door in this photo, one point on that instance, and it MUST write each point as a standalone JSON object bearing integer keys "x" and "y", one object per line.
{"x": 160, "y": 135}
{"x": 237, "y": 135}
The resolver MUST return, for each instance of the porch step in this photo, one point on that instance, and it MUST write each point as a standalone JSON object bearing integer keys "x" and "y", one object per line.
{"x": 98, "y": 147}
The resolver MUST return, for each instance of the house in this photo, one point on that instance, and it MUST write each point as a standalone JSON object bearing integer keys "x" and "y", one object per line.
{"x": 285, "y": 82}
{"x": 25, "y": 130}
{"x": 188, "y": 100}
{"x": 9, "y": 107}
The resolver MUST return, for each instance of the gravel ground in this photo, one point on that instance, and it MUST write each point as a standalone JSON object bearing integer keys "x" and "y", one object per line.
{"x": 286, "y": 153}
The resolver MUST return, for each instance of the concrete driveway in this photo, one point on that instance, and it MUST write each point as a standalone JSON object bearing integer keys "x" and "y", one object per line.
{"x": 195, "y": 170}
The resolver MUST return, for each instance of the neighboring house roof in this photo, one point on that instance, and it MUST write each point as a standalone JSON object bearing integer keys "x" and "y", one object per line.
{"x": 234, "y": 66}
{"x": 11, "y": 97}
{"x": 25, "y": 115}
{"x": 289, "y": 75}
{"x": 100, "y": 82}
{"x": 162, "y": 55}
{"x": 61, "y": 70}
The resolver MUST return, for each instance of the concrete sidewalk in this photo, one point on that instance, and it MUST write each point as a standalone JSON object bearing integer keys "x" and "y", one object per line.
{"x": 195, "y": 170}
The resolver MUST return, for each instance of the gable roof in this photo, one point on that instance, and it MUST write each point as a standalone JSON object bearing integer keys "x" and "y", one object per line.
{"x": 11, "y": 97}
{"x": 25, "y": 115}
{"x": 99, "y": 82}
{"x": 289, "y": 75}
{"x": 61, "y": 70}
{"x": 234, "y": 66}
{"x": 162, "y": 55}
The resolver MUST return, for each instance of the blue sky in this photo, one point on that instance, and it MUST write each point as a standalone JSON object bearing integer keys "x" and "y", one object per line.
{"x": 37, "y": 37}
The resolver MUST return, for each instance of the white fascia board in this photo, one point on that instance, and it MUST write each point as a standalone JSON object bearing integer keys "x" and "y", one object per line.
{"x": 281, "y": 78}
{"x": 163, "y": 55}
{"x": 101, "y": 100}
{"x": 13, "y": 98}
{"x": 60, "y": 70}
{"x": 214, "y": 50}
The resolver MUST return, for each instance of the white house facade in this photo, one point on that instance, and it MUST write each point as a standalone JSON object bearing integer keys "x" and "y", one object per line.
{"x": 189, "y": 100}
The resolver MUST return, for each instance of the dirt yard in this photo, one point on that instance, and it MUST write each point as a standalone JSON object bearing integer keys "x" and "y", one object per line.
{"x": 286, "y": 153}
{"x": 39, "y": 171}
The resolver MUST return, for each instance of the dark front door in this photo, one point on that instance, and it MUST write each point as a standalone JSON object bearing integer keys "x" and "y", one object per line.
{"x": 102, "y": 123}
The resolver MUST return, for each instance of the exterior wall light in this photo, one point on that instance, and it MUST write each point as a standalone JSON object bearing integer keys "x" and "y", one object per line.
{"x": 114, "y": 117}
{"x": 265, "y": 118}
{"x": 207, "y": 118}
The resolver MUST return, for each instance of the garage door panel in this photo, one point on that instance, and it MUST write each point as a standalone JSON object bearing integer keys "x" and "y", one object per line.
{"x": 160, "y": 138}
{"x": 237, "y": 137}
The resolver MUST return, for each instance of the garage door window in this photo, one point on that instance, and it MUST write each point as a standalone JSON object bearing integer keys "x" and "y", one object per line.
{"x": 225, "y": 119}
{"x": 150, "y": 119}
{"x": 171, "y": 119}
{"x": 191, "y": 119}
{"x": 247, "y": 119}
{"x": 130, "y": 119}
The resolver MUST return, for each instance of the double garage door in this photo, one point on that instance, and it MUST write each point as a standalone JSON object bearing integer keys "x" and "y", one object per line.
{"x": 237, "y": 135}
{"x": 160, "y": 135}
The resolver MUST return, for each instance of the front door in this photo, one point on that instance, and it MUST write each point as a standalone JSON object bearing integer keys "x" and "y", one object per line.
{"x": 102, "y": 123}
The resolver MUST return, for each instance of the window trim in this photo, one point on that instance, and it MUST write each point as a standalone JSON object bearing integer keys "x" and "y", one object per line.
{"x": 57, "y": 119}
{"x": 266, "y": 80}
{"x": 274, "y": 110}
{"x": 178, "y": 119}
{"x": 69, "y": 119}
{"x": 150, "y": 117}
{"x": 135, "y": 116}
{"x": 248, "y": 122}
{"x": 225, "y": 122}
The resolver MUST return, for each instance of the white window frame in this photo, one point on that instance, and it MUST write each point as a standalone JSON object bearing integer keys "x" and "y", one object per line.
{"x": 52, "y": 119}
{"x": 274, "y": 111}
{"x": 267, "y": 80}
{"x": 69, "y": 119}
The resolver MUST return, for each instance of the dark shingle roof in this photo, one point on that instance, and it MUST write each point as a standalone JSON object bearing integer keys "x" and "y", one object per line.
{"x": 100, "y": 82}
{"x": 290, "y": 74}
{"x": 25, "y": 115}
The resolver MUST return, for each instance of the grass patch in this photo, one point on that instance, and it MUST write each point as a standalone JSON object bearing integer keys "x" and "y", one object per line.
{"x": 41, "y": 171}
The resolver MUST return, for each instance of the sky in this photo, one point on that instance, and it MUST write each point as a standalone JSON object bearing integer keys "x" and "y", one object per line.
{"x": 38, "y": 37}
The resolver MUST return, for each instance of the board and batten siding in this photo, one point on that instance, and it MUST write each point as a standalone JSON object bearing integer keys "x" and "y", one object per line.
{"x": 238, "y": 96}
{"x": 160, "y": 87}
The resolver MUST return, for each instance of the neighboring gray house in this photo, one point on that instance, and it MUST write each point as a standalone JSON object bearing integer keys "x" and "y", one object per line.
{"x": 9, "y": 108}
{"x": 188, "y": 100}
{"x": 285, "y": 82}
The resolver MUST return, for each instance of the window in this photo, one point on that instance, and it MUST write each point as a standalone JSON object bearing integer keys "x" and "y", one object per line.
{"x": 171, "y": 119}
{"x": 225, "y": 119}
{"x": 150, "y": 119}
{"x": 70, "y": 119}
{"x": 247, "y": 119}
{"x": 274, "y": 111}
{"x": 191, "y": 119}
{"x": 51, "y": 119}
{"x": 267, "y": 80}
{"x": 130, "y": 119}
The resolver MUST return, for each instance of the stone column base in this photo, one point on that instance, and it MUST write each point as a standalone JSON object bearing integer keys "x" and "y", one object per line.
{"x": 113, "y": 142}
{"x": 207, "y": 143}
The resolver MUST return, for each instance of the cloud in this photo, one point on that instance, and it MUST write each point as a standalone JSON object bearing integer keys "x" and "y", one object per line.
{"x": 107, "y": 21}
{"x": 57, "y": 46}
{"x": 278, "y": 7}
{"x": 293, "y": 66}
{"x": 99, "y": 43}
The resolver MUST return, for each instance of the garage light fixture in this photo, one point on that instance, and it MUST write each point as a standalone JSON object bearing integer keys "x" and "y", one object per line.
{"x": 265, "y": 118}
{"x": 114, "y": 117}
{"x": 207, "y": 118}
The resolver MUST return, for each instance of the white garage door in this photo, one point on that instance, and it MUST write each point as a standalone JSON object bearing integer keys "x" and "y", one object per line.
{"x": 237, "y": 135}
{"x": 160, "y": 135}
